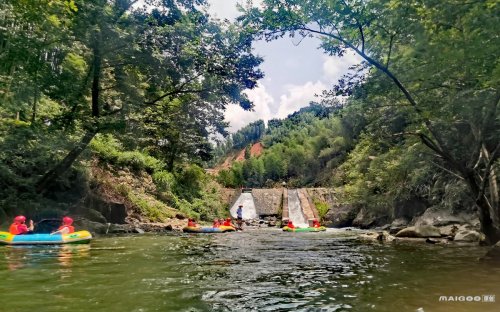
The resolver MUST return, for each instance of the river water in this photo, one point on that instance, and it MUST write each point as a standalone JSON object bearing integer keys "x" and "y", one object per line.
{"x": 253, "y": 270}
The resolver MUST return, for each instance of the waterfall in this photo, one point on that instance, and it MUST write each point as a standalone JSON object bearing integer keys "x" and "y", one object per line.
{"x": 295, "y": 210}
{"x": 249, "y": 212}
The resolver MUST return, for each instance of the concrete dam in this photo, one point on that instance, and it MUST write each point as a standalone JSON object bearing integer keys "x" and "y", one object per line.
{"x": 287, "y": 204}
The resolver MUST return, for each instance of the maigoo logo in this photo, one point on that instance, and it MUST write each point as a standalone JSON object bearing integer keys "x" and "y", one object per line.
{"x": 483, "y": 298}
{"x": 73, "y": 236}
{"x": 3, "y": 236}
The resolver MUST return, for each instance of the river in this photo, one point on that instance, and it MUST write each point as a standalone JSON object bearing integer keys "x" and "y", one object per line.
{"x": 253, "y": 270}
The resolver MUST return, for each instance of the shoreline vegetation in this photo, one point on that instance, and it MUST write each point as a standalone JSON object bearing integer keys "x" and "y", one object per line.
{"x": 109, "y": 111}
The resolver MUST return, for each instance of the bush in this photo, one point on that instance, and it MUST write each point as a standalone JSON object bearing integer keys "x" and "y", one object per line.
{"x": 164, "y": 181}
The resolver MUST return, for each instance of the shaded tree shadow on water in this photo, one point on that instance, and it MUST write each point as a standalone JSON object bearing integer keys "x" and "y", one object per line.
{"x": 40, "y": 256}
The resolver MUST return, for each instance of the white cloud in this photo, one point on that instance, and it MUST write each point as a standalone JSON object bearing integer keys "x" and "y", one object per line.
{"x": 239, "y": 118}
{"x": 298, "y": 96}
{"x": 227, "y": 8}
{"x": 334, "y": 67}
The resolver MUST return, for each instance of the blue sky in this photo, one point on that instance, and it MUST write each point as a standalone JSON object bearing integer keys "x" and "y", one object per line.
{"x": 294, "y": 73}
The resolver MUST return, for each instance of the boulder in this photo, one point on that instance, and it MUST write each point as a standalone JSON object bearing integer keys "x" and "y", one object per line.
{"x": 397, "y": 225}
{"x": 468, "y": 236}
{"x": 341, "y": 215}
{"x": 449, "y": 230}
{"x": 438, "y": 216}
{"x": 423, "y": 231}
{"x": 114, "y": 212}
{"x": 366, "y": 219}
{"x": 94, "y": 215}
{"x": 409, "y": 208}
{"x": 382, "y": 236}
{"x": 493, "y": 254}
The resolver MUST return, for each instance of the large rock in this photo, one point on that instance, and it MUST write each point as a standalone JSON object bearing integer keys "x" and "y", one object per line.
{"x": 382, "y": 236}
{"x": 366, "y": 219}
{"x": 468, "y": 236}
{"x": 423, "y": 231}
{"x": 341, "y": 215}
{"x": 449, "y": 230}
{"x": 437, "y": 216}
{"x": 397, "y": 225}
{"x": 409, "y": 208}
{"x": 493, "y": 254}
{"x": 114, "y": 212}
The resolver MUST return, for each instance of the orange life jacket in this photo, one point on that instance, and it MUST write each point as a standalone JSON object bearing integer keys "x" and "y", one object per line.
{"x": 227, "y": 223}
{"x": 13, "y": 229}
{"x": 191, "y": 223}
{"x": 290, "y": 225}
{"x": 18, "y": 229}
{"x": 70, "y": 228}
{"x": 216, "y": 224}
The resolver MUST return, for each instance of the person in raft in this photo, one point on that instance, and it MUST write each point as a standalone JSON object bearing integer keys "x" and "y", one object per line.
{"x": 216, "y": 223}
{"x": 239, "y": 214}
{"x": 19, "y": 226}
{"x": 316, "y": 224}
{"x": 191, "y": 223}
{"x": 228, "y": 222}
{"x": 290, "y": 225}
{"x": 66, "y": 226}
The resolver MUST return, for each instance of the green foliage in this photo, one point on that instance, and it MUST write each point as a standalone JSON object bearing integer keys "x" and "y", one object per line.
{"x": 322, "y": 208}
{"x": 153, "y": 84}
{"x": 110, "y": 150}
{"x": 300, "y": 150}
{"x": 190, "y": 180}
{"x": 164, "y": 180}
{"x": 248, "y": 134}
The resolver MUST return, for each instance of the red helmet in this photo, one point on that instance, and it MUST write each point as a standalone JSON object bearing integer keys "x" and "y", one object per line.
{"x": 67, "y": 221}
{"x": 19, "y": 219}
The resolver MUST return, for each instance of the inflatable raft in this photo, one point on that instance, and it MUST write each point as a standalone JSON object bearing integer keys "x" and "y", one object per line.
{"x": 80, "y": 237}
{"x": 307, "y": 229}
{"x": 199, "y": 229}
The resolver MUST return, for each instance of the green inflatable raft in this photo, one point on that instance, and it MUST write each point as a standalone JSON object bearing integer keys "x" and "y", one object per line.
{"x": 307, "y": 229}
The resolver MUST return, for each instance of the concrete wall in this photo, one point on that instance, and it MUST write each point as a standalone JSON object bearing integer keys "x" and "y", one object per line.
{"x": 268, "y": 201}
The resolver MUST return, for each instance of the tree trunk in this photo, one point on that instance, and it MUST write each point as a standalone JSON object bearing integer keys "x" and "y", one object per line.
{"x": 52, "y": 175}
{"x": 35, "y": 102}
{"x": 95, "y": 81}
{"x": 489, "y": 226}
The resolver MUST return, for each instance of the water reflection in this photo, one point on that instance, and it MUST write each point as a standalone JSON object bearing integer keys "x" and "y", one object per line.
{"x": 28, "y": 256}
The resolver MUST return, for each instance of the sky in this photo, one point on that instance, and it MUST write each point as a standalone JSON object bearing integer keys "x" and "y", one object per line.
{"x": 294, "y": 72}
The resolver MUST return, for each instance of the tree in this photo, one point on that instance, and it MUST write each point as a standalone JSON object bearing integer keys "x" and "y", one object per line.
{"x": 432, "y": 59}
{"x": 164, "y": 76}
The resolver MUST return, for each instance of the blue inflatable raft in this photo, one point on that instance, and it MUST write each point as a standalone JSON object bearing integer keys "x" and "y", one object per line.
{"x": 80, "y": 237}
{"x": 199, "y": 229}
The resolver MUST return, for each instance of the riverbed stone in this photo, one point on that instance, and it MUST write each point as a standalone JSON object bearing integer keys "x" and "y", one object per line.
{"x": 449, "y": 230}
{"x": 397, "y": 225}
{"x": 381, "y": 236}
{"x": 493, "y": 254}
{"x": 422, "y": 231}
{"x": 468, "y": 236}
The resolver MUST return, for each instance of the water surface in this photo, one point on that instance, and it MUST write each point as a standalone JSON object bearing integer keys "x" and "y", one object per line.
{"x": 254, "y": 270}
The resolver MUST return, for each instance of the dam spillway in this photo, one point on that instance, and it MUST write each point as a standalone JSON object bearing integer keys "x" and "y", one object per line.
{"x": 249, "y": 211}
{"x": 295, "y": 213}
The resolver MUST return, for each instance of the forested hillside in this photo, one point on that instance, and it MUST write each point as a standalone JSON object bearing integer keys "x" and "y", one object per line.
{"x": 421, "y": 117}
{"x": 117, "y": 85}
